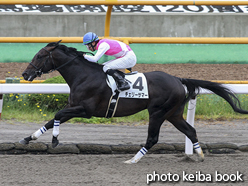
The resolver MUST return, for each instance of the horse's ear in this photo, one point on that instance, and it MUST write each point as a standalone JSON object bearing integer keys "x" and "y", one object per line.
{"x": 58, "y": 42}
{"x": 53, "y": 44}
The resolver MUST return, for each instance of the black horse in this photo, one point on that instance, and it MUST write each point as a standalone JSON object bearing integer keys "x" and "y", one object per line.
{"x": 90, "y": 94}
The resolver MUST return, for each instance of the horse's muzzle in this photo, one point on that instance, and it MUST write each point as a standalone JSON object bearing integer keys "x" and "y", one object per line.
{"x": 28, "y": 77}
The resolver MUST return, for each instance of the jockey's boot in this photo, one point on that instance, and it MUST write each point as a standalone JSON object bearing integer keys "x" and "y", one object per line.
{"x": 121, "y": 83}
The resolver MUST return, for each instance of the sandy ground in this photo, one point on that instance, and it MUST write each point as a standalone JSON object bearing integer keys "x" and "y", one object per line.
{"x": 102, "y": 170}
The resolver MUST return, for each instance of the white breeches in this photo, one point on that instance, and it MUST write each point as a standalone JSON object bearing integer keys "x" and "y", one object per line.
{"x": 127, "y": 61}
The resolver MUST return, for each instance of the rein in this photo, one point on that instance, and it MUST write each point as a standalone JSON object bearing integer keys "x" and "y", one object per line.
{"x": 63, "y": 64}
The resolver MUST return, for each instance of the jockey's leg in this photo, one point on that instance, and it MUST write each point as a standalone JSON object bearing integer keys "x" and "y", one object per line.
{"x": 126, "y": 61}
{"x": 121, "y": 83}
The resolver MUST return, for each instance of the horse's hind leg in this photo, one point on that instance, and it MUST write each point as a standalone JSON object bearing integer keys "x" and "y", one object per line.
{"x": 190, "y": 132}
{"x": 152, "y": 139}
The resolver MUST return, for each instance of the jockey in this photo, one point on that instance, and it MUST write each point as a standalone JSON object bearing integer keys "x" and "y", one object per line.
{"x": 124, "y": 56}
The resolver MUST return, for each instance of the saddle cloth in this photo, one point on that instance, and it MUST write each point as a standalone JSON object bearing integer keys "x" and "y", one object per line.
{"x": 137, "y": 82}
{"x": 138, "y": 90}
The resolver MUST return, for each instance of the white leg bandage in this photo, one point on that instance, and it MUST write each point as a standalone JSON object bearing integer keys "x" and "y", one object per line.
{"x": 56, "y": 128}
{"x": 37, "y": 134}
{"x": 197, "y": 148}
{"x": 199, "y": 151}
{"x": 138, "y": 156}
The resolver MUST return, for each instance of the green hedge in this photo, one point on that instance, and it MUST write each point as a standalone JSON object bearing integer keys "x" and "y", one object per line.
{"x": 50, "y": 101}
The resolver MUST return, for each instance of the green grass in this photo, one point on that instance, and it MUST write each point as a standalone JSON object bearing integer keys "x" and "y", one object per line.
{"x": 208, "y": 107}
{"x": 16, "y": 106}
{"x": 214, "y": 107}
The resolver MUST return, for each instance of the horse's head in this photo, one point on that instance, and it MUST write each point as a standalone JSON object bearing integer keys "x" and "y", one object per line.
{"x": 41, "y": 63}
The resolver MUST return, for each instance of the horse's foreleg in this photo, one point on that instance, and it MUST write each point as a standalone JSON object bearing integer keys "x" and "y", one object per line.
{"x": 36, "y": 134}
{"x": 40, "y": 131}
{"x": 71, "y": 112}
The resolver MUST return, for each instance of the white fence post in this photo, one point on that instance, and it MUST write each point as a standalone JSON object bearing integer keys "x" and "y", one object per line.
{"x": 1, "y": 104}
{"x": 190, "y": 120}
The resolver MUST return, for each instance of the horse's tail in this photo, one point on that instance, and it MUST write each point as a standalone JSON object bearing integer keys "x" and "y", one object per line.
{"x": 193, "y": 86}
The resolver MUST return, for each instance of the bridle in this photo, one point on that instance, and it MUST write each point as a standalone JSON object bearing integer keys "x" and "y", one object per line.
{"x": 39, "y": 71}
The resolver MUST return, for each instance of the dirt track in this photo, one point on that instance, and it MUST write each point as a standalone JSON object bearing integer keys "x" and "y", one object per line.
{"x": 195, "y": 71}
{"x": 64, "y": 170}
{"x": 102, "y": 170}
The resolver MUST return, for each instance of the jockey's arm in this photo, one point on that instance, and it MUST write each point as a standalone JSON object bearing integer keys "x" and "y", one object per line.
{"x": 102, "y": 49}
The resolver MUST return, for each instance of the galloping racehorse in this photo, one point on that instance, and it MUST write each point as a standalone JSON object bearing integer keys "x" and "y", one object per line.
{"x": 90, "y": 95}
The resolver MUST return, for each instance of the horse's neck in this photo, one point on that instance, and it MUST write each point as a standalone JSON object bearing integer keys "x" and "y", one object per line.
{"x": 80, "y": 72}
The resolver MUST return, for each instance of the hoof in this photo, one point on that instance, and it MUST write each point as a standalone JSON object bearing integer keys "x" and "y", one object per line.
{"x": 201, "y": 157}
{"x": 55, "y": 142}
{"x": 128, "y": 161}
{"x": 24, "y": 142}
{"x": 131, "y": 161}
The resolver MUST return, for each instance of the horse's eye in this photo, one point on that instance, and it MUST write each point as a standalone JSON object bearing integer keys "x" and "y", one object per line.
{"x": 39, "y": 57}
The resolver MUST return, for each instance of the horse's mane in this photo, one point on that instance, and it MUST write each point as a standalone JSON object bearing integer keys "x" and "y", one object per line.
{"x": 72, "y": 51}
{"x": 65, "y": 49}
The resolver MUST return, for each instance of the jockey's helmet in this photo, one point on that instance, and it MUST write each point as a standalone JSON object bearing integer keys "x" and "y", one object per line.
{"x": 89, "y": 38}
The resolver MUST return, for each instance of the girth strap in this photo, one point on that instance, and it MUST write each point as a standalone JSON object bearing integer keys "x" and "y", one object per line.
{"x": 113, "y": 101}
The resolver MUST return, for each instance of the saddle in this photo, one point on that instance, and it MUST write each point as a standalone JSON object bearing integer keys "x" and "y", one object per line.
{"x": 138, "y": 90}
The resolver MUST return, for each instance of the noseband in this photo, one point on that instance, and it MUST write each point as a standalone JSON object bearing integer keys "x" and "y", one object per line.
{"x": 39, "y": 71}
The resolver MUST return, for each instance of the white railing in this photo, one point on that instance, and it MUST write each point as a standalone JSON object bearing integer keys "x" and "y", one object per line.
{"x": 64, "y": 89}
{"x": 34, "y": 88}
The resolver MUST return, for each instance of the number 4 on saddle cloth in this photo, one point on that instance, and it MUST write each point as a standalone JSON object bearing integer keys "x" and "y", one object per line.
{"x": 138, "y": 90}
